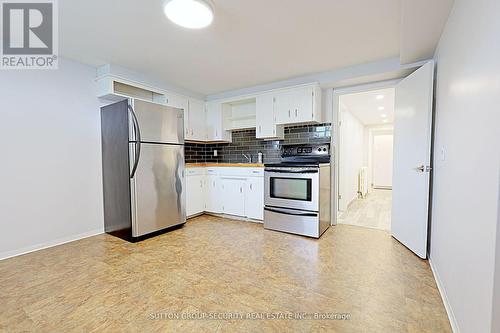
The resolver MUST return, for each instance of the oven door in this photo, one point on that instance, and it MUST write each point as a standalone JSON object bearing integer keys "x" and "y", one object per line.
{"x": 295, "y": 188}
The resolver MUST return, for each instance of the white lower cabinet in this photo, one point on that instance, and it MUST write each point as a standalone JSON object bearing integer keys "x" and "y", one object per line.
{"x": 254, "y": 198}
{"x": 233, "y": 196}
{"x": 195, "y": 192}
{"x": 213, "y": 198}
{"x": 225, "y": 190}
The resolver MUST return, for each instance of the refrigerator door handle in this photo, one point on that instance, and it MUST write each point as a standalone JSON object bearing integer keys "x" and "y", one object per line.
{"x": 137, "y": 141}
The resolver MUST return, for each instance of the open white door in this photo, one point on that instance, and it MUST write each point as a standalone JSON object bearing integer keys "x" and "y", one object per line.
{"x": 412, "y": 156}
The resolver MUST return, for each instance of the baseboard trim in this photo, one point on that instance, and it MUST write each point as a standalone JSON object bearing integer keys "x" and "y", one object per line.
{"x": 45, "y": 245}
{"x": 447, "y": 306}
{"x": 227, "y": 216}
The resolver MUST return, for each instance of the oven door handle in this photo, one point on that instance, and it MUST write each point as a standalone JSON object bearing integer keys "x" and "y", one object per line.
{"x": 291, "y": 171}
{"x": 289, "y": 212}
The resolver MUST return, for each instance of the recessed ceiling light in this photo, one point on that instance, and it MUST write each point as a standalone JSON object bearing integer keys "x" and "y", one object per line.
{"x": 380, "y": 97}
{"x": 193, "y": 14}
{"x": 380, "y": 108}
{"x": 383, "y": 115}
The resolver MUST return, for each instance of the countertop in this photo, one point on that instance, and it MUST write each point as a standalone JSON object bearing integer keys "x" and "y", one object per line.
{"x": 241, "y": 165}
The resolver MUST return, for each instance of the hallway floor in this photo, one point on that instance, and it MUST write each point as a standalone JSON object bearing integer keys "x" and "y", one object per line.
{"x": 374, "y": 211}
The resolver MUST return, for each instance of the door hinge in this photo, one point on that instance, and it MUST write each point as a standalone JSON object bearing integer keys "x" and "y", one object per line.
{"x": 340, "y": 197}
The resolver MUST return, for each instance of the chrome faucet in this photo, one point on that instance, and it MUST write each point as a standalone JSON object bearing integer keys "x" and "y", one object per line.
{"x": 248, "y": 157}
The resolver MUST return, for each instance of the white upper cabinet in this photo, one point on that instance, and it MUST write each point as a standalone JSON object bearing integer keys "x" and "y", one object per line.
{"x": 196, "y": 124}
{"x": 283, "y": 107}
{"x": 215, "y": 123}
{"x": 176, "y": 101}
{"x": 298, "y": 105}
{"x": 181, "y": 102}
{"x": 265, "y": 118}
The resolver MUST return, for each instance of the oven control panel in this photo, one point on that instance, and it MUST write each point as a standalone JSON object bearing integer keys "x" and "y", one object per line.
{"x": 305, "y": 150}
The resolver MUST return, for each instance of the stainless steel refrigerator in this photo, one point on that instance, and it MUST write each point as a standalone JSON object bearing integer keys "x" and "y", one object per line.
{"x": 143, "y": 168}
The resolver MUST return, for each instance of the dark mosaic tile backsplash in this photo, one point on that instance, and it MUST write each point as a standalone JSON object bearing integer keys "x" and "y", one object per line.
{"x": 244, "y": 142}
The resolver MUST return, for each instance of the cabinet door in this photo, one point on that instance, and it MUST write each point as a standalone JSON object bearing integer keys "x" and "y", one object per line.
{"x": 254, "y": 205}
{"x": 195, "y": 198}
{"x": 180, "y": 102}
{"x": 214, "y": 121}
{"x": 197, "y": 129}
{"x": 233, "y": 194}
{"x": 283, "y": 108}
{"x": 213, "y": 194}
{"x": 264, "y": 111}
{"x": 303, "y": 104}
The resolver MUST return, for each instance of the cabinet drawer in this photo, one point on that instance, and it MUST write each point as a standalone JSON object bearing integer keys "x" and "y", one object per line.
{"x": 212, "y": 171}
{"x": 195, "y": 172}
{"x": 255, "y": 172}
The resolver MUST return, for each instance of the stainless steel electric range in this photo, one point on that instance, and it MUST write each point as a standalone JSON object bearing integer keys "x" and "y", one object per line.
{"x": 297, "y": 191}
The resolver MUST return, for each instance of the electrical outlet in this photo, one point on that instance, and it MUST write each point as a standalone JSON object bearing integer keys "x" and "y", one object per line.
{"x": 215, "y": 152}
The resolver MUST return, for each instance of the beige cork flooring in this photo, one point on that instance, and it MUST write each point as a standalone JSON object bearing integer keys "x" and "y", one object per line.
{"x": 214, "y": 265}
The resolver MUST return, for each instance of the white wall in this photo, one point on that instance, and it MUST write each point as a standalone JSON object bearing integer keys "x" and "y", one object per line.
{"x": 51, "y": 187}
{"x": 496, "y": 292}
{"x": 352, "y": 156}
{"x": 370, "y": 132}
{"x": 382, "y": 160}
{"x": 465, "y": 186}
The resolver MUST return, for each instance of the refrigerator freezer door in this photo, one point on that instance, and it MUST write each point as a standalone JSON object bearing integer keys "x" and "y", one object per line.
{"x": 159, "y": 123}
{"x": 158, "y": 196}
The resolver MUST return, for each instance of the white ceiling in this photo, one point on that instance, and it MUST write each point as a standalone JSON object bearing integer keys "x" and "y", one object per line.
{"x": 365, "y": 106}
{"x": 422, "y": 23}
{"x": 250, "y": 42}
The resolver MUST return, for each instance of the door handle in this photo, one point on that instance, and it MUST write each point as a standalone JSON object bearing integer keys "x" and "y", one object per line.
{"x": 241, "y": 189}
{"x": 250, "y": 186}
{"x": 422, "y": 168}
{"x": 137, "y": 141}
{"x": 290, "y": 212}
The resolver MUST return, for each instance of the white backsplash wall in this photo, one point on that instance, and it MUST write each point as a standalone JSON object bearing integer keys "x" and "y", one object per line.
{"x": 244, "y": 142}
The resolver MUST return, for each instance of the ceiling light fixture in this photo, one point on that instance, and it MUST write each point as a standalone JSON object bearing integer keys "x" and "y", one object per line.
{"x": 380, "y": 108}
{"x": 380, "y": 97}
{"x": 192, "y": 14}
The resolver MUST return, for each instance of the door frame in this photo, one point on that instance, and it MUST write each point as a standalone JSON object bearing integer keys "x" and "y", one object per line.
{"x": 335, "y": 138}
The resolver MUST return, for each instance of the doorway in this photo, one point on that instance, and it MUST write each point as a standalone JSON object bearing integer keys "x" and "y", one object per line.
{"x": 412, "y": 146}
{"x": 365, "y": 158}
